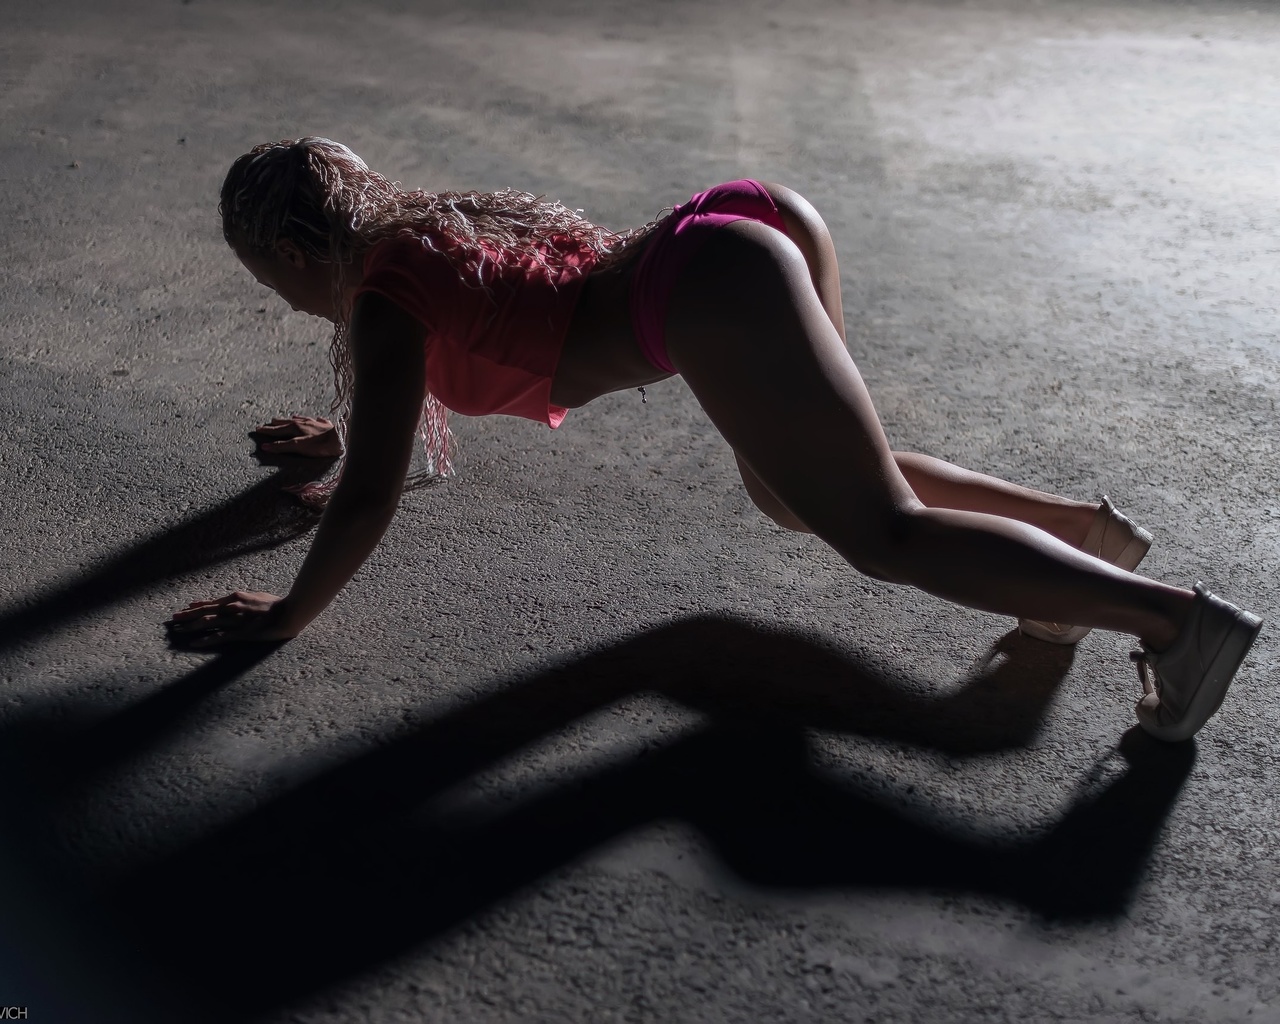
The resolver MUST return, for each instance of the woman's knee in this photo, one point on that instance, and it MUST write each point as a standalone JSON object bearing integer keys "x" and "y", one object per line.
{"x": 886, "y": 546}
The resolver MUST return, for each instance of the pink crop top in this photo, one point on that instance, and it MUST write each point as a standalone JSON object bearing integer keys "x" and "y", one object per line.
{"x": 493, "y": 351}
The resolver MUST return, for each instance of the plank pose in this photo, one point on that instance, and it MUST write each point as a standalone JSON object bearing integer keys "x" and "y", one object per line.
{"x": 505, "y": 303}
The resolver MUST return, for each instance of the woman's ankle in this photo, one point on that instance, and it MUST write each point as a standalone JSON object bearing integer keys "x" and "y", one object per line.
{"x": 1166, "y": 626}
{"x": 1073, "y": 522}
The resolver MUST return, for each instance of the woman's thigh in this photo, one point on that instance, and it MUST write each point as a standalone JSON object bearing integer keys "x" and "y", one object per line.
{"x": 748, "y": 333}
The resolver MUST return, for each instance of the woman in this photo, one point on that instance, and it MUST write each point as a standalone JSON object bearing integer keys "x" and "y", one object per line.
{"x": 504, "y": 303}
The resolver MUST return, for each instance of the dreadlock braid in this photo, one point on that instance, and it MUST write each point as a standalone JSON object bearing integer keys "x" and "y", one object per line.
{"x": 325, "y": 199}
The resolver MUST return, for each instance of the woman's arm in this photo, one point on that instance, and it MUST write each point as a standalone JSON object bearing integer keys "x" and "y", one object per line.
{"x": 389, "y": 373}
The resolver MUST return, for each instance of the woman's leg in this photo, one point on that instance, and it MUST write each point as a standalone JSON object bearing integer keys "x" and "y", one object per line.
{"x": 747, "y": 330}
{"x": 936, "y": 483}
{"x": 940, "y": 484}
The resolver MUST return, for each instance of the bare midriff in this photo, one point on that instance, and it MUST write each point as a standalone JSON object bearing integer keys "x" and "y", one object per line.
{"x": 600, "y": 354}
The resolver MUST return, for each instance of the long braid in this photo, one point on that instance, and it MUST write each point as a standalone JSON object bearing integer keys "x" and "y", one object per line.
{"x": 324, "y": 198}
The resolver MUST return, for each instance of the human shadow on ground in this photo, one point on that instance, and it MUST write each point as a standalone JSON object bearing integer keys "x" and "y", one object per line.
{"x": 372, "y": 857}
{"x": 260, "y": 517}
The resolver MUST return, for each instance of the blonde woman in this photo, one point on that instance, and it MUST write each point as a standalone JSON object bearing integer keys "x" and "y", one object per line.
{"x": 505, "y": 303}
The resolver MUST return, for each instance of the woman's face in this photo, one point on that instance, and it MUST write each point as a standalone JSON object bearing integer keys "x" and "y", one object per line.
{"x": 304, "y": 283}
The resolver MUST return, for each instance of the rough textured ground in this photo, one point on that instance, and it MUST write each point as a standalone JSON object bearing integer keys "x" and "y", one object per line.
{"x": 591, "y": 740}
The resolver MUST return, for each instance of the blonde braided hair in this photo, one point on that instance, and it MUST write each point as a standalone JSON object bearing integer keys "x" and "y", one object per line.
{"x": 325, "y": 199}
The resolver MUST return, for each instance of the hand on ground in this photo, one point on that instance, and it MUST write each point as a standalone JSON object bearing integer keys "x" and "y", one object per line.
{"x": 299, "y": 435}
{"x": 242, "y": 617}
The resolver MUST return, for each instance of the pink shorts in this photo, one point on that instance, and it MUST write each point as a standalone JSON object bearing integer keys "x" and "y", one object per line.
{"x": 673, "y": 244}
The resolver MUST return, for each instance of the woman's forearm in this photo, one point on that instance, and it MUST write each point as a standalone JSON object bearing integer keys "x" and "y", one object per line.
{"x": 387, "y": 393}
{"x": 350, "y": 529}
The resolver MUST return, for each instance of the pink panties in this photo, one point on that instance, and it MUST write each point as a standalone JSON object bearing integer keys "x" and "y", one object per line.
{"x": 674, "y": 243}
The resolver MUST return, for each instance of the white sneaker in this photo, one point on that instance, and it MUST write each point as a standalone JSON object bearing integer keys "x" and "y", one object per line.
{"x": 1114, "y": 538}
{"x": 1185, "y": 684}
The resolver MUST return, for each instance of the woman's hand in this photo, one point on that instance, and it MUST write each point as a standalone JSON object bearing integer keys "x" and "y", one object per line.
{"x": 300, "y": 435}
{"x": 242, "y": 617}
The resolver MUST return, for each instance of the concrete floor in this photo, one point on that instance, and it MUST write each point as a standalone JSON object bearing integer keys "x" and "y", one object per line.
{"x": 590, "y": 739}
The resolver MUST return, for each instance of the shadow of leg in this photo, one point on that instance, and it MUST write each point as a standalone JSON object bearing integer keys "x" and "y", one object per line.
{"x": 734, "y": 669}
{"x": 1091, "y": 863}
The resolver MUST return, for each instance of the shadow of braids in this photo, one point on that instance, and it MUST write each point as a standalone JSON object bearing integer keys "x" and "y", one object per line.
{"x": 325, "y": 199}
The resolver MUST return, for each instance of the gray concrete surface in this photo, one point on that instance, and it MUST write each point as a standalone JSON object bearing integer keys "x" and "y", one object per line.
{"x": 589, "y": 739}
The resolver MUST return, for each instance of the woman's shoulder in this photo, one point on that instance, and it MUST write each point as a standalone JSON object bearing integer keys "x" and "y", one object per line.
{"x": 412, "y": 275}
{"x": 414, "y": 261}
{"x": 404, "y": 249}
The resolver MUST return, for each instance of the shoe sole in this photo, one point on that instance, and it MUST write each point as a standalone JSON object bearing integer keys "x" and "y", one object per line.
{"x": 1213, "y": 687}
{"x": 1128, "y": 559}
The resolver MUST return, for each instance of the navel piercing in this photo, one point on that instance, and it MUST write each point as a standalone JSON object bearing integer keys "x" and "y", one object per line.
{"x": 644, "y": 399}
